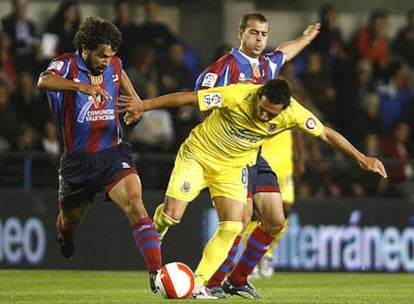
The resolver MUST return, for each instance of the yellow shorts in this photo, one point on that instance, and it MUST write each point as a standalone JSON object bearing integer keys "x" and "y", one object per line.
{"x": 191, "y": 175}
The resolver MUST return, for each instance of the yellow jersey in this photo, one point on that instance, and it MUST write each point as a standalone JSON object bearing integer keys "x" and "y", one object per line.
{"x": 232, "y": 133}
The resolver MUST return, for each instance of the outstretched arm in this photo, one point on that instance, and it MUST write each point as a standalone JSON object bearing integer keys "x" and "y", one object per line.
{"x": 336, "y": 140}
{"x": 135, "y": 108}
{"x": 293, "y": 47}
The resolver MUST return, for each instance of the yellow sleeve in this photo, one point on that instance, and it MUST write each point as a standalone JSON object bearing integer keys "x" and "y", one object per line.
{"x": 305, "y": 120}
{"x": 227, "y": 96}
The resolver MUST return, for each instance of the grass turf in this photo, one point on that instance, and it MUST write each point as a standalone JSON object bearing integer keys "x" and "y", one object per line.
{"x": 61, "y": 287}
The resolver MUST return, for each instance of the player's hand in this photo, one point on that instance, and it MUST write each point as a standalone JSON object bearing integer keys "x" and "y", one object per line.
{"x": 98, "y": 93}
{"x": 312, "y": 30}
{"x": 133, "y": 107}
{"x": 374, "y": 165}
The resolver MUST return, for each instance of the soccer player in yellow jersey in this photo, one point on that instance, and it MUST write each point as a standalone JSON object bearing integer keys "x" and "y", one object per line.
{"x": 216, "y": 153}
{"x": 249, "y": 64}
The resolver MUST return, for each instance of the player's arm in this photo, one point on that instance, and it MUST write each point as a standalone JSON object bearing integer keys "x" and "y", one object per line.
{"x": 135, "y": 108}
{"x": 292, "y": 47}
{"x": 171, "y": 100}
{"x": 336, "y": 140}
{"x": 54, "y": 82}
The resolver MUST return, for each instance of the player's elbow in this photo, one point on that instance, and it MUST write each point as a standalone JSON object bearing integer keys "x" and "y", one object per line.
{"x": 42, "y": 82}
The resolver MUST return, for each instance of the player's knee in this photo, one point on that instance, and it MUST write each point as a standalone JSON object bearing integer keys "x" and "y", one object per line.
{"x": 163, "y": 219}
{"x": 273, "y": 227}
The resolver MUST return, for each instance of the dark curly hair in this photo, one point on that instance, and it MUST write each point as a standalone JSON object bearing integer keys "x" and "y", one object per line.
{"x": 95, "y": 31}
{"x": 277, "y": 90}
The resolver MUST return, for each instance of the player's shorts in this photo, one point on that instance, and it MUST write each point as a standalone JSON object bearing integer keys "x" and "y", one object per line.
{"x": 191, "y": 175}
{"x": 82, "y": 176}
{"x": 262, "y": 178}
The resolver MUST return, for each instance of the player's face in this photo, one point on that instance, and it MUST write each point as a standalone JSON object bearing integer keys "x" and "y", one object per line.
{"x": 266, "y": 110}
{"x": 253, "y": 39}
{"x": 98, "y": 60}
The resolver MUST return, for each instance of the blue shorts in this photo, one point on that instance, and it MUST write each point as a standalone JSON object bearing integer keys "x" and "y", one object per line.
{"x": 262, "y": 178}
{"x": 82, "y": 176}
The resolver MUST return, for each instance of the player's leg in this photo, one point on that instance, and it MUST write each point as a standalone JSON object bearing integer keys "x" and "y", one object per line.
{"x": 127, "y": 194}
{"x": 265, "y": 189}
{"x": 74, "y": 198}
{"x": 68, "y": 220}
{"x": 230, "y": 213}
{"x": 218, "y": 277}
{"x": 216, "y": 280}
{"x": 228, "y": 190}
{"x": 269, "y": 207}
{"x": 287, "y": 189}
{"x": 169, "y": 214}
{"x": 182, "y": 188}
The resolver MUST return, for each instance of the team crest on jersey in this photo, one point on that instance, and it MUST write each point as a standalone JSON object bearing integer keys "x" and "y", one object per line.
{"x": 310, "y": 123}
{"x": 272, "y": 128}
{"x": 212, "y": 99}
{"x": 185, "y": 187}
{"x": 56, "y": 65}
{"x": 209, "y": 80}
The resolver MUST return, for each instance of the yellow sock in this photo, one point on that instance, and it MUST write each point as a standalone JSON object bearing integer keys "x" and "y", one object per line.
{"x": 269, "y": 252}
{"x": 162, "y": 221}
{"x": 216, "y": 250}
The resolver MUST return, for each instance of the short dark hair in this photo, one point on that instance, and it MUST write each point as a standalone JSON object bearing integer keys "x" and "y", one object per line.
{"x": 277, "y": 90}
{"x": 251, "y": 16}
{"x": 96, "y": 31}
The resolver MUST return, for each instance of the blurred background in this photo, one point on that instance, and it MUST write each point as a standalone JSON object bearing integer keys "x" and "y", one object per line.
{"x": 367, "y": 95}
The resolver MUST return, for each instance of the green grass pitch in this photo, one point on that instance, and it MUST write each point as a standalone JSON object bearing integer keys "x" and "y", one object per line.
{"x": 61, "y": 287}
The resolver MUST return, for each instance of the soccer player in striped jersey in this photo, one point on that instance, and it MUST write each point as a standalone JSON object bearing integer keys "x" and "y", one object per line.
{"x": 82, "y": 89}
{"x": 216, "y": 155}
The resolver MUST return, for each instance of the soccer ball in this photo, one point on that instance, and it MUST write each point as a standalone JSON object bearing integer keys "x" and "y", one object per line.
{"x": 175, "y": 281}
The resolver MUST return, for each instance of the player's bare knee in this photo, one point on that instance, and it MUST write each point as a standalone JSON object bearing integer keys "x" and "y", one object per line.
{"x": 273, "y": 227}
{"x": 71, "y": 222}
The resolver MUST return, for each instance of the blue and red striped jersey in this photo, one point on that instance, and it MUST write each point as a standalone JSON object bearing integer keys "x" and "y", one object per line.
{"x": 85, "y": 125}
{"x": 236, "y": 67}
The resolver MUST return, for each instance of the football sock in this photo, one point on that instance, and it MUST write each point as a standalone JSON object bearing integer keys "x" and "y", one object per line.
{"x": 269, "y": 253}
{"x": 148, "y": 242}
{"x": 64, "y": 234}
{"x": 216, "y": 250}
{"x": 257, "y": 245}
{"x": 220, "y": 274}
{"x": 163, "y": 221}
